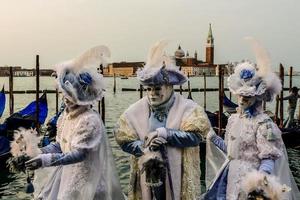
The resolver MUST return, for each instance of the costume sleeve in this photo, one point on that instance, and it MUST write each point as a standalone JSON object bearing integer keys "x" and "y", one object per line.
{"x": 55, "y": 159}
{"x": 267, "y": 165}
{"x": 126, "y": 137}
{"x": 219, "y": 142}
{"x": 52, "y": 148}
{"x": 269, "y": 142}
{"x": 182, "y": 139}
{"x": 135, "y": 148}
{"x": 196, "y": 122}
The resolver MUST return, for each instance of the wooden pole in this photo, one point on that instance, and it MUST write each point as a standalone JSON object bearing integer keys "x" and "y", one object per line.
{"x": 276, "y": 110}
{"x": 37, "y": 75}
{"x": 11, "y": 88}
{"x": 189, "y": 88}
{"x": 221, "y": 93}
{"x": 204, "y": 92}
{"x": 291, "y": 77}
{"x": 180, "y": 87}
{"x": 102, "y": 101}
{"x": 115, "y": 83}
{"x": 281, "y": 73}
{"x": 56, "y": 101}
{"x": 141, "y": 91}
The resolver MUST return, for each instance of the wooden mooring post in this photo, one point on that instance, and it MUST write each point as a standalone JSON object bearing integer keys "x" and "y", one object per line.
{"x": 11, "y": 89}
{"x": 141, "y": 91}
{"x": 101, "y": 104}
{"x": 189, "y": 88}
{"x": 281, "y": 74}
{"x": 37, "y": 75}
{"x": 204, "y": 91}
{"x": 221, "y": 96}
{"x": 56, "y": 100}
{"x": 291, "y": 78}
{"x": 115, "y": 83}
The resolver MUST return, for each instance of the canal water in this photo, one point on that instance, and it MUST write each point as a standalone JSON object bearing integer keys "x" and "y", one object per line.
{"x": 12, "y": 186}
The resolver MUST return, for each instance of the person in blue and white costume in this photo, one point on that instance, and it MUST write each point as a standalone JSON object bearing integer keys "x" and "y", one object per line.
{"x": 165, "y": 128}
{"x": 79, "y": 165}
{"x": 255, "y": 163}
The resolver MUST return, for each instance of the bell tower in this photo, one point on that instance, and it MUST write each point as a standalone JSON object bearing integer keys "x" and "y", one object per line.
{"x": 210, "y": 47}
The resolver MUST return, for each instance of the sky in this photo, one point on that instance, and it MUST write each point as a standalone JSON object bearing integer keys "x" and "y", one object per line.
{"x": 59, "y": 30}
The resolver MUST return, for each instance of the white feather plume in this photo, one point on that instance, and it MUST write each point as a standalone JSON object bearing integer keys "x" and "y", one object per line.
{"x": 91, "y": 58}
{"x": 25, "y": 142}
{"x": 264, "y": 66}
{"x": 268, "y": 183}
{"x": 156, "y": 55}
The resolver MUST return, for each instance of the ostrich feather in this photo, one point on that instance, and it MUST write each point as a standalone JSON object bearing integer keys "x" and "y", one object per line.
{"x": 91, "y": 58}
{"x": 269, "y": 184}
{"x": 264, "y": 66}
{"x": 25, "y": 142}
{"x": 262, "y": 57}
{"x": 156, "y": 55}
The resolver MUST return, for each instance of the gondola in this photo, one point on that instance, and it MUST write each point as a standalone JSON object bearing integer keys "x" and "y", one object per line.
{"x": 24, "y": 118}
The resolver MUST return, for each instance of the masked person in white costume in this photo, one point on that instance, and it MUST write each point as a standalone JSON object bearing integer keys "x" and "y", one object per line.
{"x": 80, "y": 161}
{"x": 165, "y": 128}
{"x": 256, "y": 164}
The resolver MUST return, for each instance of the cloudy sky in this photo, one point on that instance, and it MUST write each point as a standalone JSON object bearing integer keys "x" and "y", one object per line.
{"x": 61, "y": 29}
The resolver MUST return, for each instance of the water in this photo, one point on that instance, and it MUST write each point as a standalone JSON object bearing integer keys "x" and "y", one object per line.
{"x": 12, "y": 186}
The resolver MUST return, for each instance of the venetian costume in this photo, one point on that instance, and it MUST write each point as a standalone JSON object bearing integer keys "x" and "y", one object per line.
{"x": 79, "y": 165}
{"x": 178, "y": 121}
{"x": 252, "y": 142}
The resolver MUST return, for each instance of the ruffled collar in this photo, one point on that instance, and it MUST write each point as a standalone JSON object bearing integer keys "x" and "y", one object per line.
{"x": 74, "y": 111}
{"x": 250, "y": 112}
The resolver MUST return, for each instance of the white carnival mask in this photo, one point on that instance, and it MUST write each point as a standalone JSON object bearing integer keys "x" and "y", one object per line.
{"x": 68, "y": 101}
{"x": 246, "y": 102}
{"x": 158, "y": 95}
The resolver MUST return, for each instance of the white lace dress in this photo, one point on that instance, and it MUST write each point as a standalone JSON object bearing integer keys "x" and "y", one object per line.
{"x": 249, "y": 140}
{"x": 93, "y": 178}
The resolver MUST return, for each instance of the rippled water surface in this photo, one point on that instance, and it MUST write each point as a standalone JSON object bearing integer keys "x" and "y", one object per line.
{"x": 12, "y": 185}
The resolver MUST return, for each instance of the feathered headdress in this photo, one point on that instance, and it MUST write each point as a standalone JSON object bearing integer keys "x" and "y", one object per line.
{"x": 249, "y": 79}
{"x": 160, "y": 69}
{"x": 79, "y": 79}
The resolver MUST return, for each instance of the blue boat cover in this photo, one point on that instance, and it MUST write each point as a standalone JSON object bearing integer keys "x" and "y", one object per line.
{"x": 228, "y": 103}
{"x": 30, "y": 110}
{"x": 2, "y": 101}
{"x": 4, "y": 145}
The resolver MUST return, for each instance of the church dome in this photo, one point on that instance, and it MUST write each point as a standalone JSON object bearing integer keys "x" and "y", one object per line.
{"x": 179, "y": 53}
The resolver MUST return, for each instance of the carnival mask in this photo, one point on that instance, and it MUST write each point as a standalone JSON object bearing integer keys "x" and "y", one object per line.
{"x": 158, "y": 95}
{"x": 246, "y": 102}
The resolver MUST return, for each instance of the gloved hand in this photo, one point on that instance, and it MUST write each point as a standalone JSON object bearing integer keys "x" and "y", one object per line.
{"x": 34, "y": 163}
{"x": 149, "y": 137}
{"x": 42, "y": 160}
{"x": 159, "y": 133}
{"x": 156, "y": 143}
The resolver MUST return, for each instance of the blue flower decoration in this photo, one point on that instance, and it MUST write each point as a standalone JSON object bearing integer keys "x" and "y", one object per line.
{"x": 85, "y": 78}
{"x": 246, "y": 74}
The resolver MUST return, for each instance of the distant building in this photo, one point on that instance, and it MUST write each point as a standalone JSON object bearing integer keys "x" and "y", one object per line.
{"x": 18, "y": 71}
{"x": 194, "y": 67}
{"x": 123, "y": 68}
